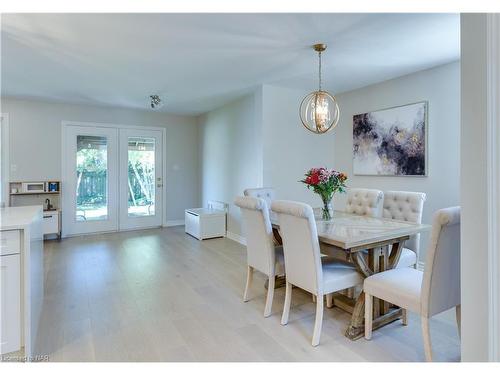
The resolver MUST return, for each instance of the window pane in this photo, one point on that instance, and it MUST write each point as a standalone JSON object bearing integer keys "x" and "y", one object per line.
{"x": 91, "y": 178}
{"x": 141, "y": 176}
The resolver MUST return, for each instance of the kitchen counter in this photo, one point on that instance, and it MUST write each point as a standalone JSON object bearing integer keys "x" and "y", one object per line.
{"x": 21, "y": 259}
{"x": 12, "y": 218}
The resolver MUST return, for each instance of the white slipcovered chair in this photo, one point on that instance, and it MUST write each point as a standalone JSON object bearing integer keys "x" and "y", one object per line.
{"x": 406, "y": 206}
{"x": 305, "y": 268}
{"x": 262, "y": 254}
{"x": 266, "y": 193}
{"x": 367, "y": 202}
{"x": 427, "y": 293}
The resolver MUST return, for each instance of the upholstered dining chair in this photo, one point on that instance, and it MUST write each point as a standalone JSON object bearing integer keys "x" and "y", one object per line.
{"x": 262, "y": 254}
{"x": 406, "y": 206}
{"x": 427, "y": 293}
{"x": 305, "y": 268}
{"x": 366, "y": 202}
{"x": 266, "y": 193}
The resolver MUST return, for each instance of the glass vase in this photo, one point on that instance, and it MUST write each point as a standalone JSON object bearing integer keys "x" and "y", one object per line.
{"x": 327, "y": 210}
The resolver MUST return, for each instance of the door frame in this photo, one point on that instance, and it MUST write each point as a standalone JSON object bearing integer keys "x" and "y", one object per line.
{"x": 64, "y": 126}
{"x": 493, "y": 165}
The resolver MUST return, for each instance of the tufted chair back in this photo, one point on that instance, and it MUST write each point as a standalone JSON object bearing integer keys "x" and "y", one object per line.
{"x": 406, "y": 206}
{"x": 266, "y": 193}
{"x": 441, "y": 282}
{"x": 367, "y": 202}
{"x": 258, "y": 233}
{"x": 300, "y": 245}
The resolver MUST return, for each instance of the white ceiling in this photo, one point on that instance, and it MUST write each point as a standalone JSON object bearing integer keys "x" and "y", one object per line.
{"x": 199, "y": 61}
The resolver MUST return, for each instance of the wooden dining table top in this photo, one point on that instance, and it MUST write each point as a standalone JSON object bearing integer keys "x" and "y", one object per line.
{"x": 355, "y": 232}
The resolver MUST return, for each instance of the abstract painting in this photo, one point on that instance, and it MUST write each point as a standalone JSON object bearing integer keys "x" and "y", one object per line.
{"x": 391, "y": 142}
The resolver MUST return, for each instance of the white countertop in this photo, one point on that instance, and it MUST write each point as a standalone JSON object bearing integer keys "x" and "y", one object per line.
{"x": 12, "y": 218}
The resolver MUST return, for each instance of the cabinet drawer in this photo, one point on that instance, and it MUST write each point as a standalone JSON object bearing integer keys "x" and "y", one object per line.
{"x": 10, "y": 303}
{"x": 10, "y": 242}
{"x": 50, "y": 223}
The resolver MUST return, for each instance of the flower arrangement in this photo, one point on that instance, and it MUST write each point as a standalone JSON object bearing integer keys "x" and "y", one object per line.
{"x": 325, "y": 182}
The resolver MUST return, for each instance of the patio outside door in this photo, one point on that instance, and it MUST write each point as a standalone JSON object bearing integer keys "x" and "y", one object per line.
{"x": 141, "y": 182}
{"x": 90, "y": 180}
{"x": 112, "y": 179}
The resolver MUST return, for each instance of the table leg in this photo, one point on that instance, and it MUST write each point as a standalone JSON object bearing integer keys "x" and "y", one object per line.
{"x": 374, "y": 257}
{"x": 395, "y": 254}
{"x": 277, "y": 237}
{"x": 356, "y": 328}
{"x": 384, "y": 266}
{"x": 279, "y": 282}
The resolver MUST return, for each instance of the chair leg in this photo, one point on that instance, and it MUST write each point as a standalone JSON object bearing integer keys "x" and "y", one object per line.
{"x": 426, "y": 333}
{"x": 286, "y": 306}
{"x": 319, "y": 321}
{"x": 350, "y": 292}
{"x": 368, "y": 316}
{"x": 270, "y": 295}
{"x": 405, "y": 317}
{"x": 458, "y": 313}
{"x": 249, "y": 283}
{"x": 329, "y": 300}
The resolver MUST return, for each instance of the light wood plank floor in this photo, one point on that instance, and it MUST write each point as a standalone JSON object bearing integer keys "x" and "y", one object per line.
{"x": 161, "y": 295}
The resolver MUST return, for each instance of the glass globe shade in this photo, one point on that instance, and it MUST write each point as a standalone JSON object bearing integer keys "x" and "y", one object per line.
{"x": 319, "y": 112}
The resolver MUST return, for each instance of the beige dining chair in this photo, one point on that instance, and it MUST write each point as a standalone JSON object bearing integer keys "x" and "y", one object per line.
{"x": 262, "y": 254}
{"x": 266, "y": 193}
{"x": 406, "y": 206}
{"x": 427, "y": 293}
{"x": 367, "y": 202}
{"x": 305, "y": 267}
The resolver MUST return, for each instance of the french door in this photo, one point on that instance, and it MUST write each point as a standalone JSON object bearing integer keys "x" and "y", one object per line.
{"x": 141, "y": 179}
{"x": 112, "y": 179}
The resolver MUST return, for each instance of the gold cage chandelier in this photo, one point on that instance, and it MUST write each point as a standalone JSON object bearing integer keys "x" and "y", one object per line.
{"x": 319, "y": 111}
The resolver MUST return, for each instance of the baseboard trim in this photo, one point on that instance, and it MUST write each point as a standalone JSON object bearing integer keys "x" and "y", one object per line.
{"x": 236, "y": 237}
{"x": 174, "y": 223}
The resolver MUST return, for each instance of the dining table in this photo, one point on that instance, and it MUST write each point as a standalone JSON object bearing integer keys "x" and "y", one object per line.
{"x": 373, "y": 245}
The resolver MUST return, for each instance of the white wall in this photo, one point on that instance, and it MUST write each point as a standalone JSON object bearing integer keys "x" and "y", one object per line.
{"x": 474, "y": 224}
{"x": 231, "y": 154}
{"x": 439, "y": 86}
{"x": 289, "y": 148}
{"x": 262, "y": 135}
{"x": 35, "y": 144}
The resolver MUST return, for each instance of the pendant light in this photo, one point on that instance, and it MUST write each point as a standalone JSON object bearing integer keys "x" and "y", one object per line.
{"x": 319, "y": 111}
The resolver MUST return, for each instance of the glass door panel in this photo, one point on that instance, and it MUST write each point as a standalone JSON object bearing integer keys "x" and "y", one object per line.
{"x": 91, "y": 178}
{"x": 141, "y": 176}
{"x": 141, "y": 184}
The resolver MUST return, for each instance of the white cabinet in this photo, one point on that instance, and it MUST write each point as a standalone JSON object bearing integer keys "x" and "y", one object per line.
{"x": 10, "y": 293}
{"x": 10, "y": 242}
{"x": 51, "y": 222}
{"x": 21, "y": 279}
{"x": 204, "y": 223}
